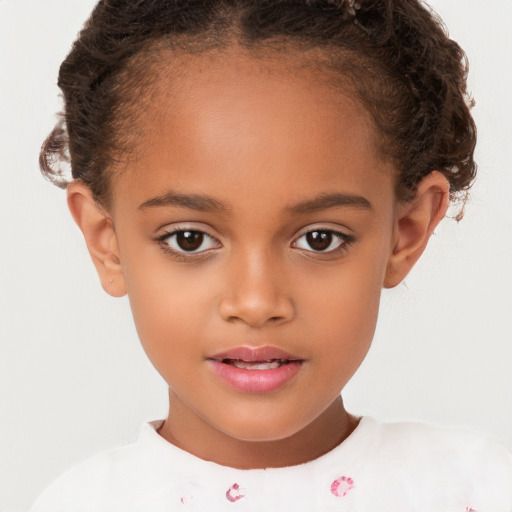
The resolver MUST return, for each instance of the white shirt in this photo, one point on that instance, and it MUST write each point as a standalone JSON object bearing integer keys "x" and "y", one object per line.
{"x": 380, "y": 467}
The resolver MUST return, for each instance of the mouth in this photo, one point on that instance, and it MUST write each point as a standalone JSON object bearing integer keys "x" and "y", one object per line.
{"x": 255, "y": 355}
{"x": 256, "y": 370}
{"x": 270, "y": 364}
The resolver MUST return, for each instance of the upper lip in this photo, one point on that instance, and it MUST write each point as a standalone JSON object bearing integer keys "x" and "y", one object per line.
{"x": 254, "y": 354}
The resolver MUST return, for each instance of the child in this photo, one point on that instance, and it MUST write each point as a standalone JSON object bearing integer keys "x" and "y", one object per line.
{"x": 252, "y": 174}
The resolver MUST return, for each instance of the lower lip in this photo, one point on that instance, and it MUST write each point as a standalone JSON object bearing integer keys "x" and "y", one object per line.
{"x": 256, "y": 381}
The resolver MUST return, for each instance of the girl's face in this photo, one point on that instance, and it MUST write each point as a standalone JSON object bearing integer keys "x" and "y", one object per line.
{"x": 254, "y": 229}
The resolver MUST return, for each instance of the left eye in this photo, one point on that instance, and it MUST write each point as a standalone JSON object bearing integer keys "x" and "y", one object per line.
{"x": 321, "y": 240}
{"x": 191, "y": 241}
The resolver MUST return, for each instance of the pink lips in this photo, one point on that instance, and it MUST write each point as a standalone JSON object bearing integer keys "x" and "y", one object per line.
{"x": 255, "y": 370}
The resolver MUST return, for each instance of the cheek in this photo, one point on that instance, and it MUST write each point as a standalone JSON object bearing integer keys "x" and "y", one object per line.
{"x": 170, "y": 307}
{"x": 349, "y": 295}
{"x": 342, "y": 307}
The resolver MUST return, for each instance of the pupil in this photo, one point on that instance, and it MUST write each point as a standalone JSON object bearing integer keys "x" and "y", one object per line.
{"x": 319, "y": 240}
{"x": 189, "y": 240}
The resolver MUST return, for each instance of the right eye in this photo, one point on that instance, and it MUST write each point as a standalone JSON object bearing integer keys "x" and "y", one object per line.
{"x": 188, "y": 241}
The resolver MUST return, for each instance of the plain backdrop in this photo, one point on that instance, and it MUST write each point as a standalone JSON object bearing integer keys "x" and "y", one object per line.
{"x": 73, "y": 378}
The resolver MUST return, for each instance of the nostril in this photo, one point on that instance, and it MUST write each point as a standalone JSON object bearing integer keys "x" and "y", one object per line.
{"x": 256, "y": 322}
{"x": 256, "y": 310}
{"x": 254, "y": 318}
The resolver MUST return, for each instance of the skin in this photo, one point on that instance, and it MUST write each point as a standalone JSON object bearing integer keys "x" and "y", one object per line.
{"x": 261, "y": 140}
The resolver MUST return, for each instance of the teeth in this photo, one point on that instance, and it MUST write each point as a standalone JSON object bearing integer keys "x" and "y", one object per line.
{"x": 257, "y": 365}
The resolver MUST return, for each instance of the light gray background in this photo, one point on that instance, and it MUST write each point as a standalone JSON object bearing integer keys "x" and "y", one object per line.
{"x": 73, "y": 379}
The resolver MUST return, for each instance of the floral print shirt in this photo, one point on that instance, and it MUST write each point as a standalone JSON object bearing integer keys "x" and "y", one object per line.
{"x": 380, "y": 467}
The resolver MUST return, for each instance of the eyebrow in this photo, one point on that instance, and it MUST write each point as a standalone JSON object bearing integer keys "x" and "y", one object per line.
{"x": 205, "y": 203}
{"x": 191, "y": 201}
{"x": 327, "y": 201}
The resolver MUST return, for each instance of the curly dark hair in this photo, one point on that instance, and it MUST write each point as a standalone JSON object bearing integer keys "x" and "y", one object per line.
{"x": 396, "y": 55}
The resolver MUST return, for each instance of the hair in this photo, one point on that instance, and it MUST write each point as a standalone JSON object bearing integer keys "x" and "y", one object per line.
{"x": 396, "y": 54}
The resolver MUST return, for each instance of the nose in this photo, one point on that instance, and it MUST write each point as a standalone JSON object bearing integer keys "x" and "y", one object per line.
{"x": 256, "y": 293}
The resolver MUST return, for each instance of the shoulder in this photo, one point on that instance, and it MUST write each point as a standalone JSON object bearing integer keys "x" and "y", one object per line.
{"x": 459, "y": 457}
{"x": 79, "y": 487}
{"x": 427, "y": 440}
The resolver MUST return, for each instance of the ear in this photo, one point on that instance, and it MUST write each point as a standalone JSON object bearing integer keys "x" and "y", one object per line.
{"x": 100, "y": 237}
{"x": 415, "y": 221}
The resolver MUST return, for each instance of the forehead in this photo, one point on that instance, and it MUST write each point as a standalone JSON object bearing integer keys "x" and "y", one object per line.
{"x": 279, "y": 122}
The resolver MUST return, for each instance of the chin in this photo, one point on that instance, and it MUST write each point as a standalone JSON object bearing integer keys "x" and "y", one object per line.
{"x": 261, "y": 428}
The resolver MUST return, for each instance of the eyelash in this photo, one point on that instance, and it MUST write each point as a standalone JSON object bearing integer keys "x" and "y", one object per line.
{"x": 183, "y": 255}
{"x": 344, "y": 239}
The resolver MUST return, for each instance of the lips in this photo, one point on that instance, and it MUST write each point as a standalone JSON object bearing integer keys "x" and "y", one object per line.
{"x": 272, "y": 364}
{"x": 255, "y": 370}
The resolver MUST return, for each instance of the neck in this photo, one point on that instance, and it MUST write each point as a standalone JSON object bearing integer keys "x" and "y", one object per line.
{"x": 194, "y": 435}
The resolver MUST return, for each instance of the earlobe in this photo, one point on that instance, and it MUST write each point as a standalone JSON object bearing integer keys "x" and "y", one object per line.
{"x": 415, "y": 221}
{"x": 100, "y": 237}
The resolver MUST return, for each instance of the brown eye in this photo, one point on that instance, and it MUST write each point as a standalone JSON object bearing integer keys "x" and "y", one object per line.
{"x": 189, "y": 240}
{"x": 319, "y": 240}
{"x": 322, "y": 240}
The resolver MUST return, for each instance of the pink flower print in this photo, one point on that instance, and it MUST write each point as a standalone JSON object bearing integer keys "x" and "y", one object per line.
{"x": 470, "y": 509}
{"x": 234, "y": 493}
{"x": 342, "y": 486}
